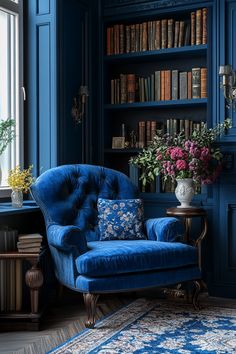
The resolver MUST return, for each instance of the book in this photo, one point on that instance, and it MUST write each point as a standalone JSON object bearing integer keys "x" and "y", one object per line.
{"x": 175, "y": 85}
{"x": 141, "y": 134}
{"x": 24, "y": 245}
{"x": 29, "y": 250}
{"x": 164, "y": 33}
{"x": 127, "y": 39}
{"x": 183, "y": 85}
{"x": 157, "y": 37}
{"x": 109, "y": 41}
{"x": 203, "y": 84}
{"x": 122, "y": 39}
{"x": 35, "y": 236}
{"x": 170, "y": 33}
{"x": 167, "y": 84}
{"x": 176, "y": 36}
{"x": 148, "y": 132}
{"x": 204, "y": 26}
{"x": 162, "y": 85}
{"x": 123, "y": 88}
{"x": 131, "y": 88}
{"x": 193, "y": 28}
{"x": 137, "y": 37}
{"x": 144, "y": 36}
{"x": 153, "y": 129}
{"x": 199, "y": 27}
{"x": 189, "y": 85}
{"x": 196, "y": 83}
{"x": 116, "y": 39}
{"x": 181, "y": 34}
{"x": 157, "y": 85}
{"x": 132, "y": 38}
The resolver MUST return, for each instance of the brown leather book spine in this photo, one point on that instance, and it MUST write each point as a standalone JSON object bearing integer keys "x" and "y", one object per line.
{"x": 164, "y": 33}
{"x": 157, "y": 40}
{"x": 141, "y": 134}
{"x": 116, "y": 39}
{"x": 127, "y": 39}
{"x": 131, "y": 88}
{"x": 181, "y": 34}
{"x": 137, "y": 37}
{"x": 167, "y": 85}
{"x": 122, "y": 39}
{"x": 112, "y": 40}
{"x": 170, "y": 33}
{"x": 112, "y": 91}
{"x": 149, "y": 35}
{"x": 153, "y": 129}
{"x": 193, "y": 28}
{"x": 189, "y": 85}
{"x": 204, "y": 25}
{"x": 132, "y": 38}
{"x": 203, "y": 82}
{"x": 109, "y": 41}
{"x": 162, "y": 85}
{"x": 176, "y": 38}
{"x": 148, "y": 132}
{"x": 199, "y": 27}
{"x": 123, "y": 88}
{"x": 144, "y": 36}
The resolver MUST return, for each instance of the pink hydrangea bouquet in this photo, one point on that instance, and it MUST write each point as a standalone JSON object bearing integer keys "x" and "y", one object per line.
{"x": 175, "y": 157}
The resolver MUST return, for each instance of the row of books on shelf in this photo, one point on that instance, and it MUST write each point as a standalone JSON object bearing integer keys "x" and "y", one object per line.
{"x": 12, "y": 270}
{"x": 162, "y": 85}
{"x": 148, "y": 129}
{"x": 157, "y": 34}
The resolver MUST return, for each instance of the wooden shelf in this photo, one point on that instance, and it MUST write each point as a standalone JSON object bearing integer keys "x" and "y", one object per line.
{"x": 158, "y": 104}
{"x": 122, "y": 151}
{"x": 150, "y": 55}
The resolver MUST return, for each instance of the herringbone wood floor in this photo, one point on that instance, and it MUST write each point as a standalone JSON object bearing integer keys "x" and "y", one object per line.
{"x": 66, "y": 317}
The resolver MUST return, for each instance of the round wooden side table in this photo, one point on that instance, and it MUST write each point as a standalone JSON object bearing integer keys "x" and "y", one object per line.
{"x": 186, "y": 215}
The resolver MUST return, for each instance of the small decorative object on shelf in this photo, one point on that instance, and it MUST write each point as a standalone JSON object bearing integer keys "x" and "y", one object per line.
{"x": 20, "y": 182}
{"x": 177, "y": 157}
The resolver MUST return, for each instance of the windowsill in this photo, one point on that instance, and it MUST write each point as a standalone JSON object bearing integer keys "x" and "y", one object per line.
{"x": 28, "y": 206}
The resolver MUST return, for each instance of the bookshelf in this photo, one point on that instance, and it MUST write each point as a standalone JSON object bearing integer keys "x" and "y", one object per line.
{"x": 150, "y": 55}
{"x": 21, "y": 274}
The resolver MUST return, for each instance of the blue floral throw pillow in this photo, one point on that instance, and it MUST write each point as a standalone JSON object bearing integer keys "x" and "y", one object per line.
{"x": 120, "y": 219}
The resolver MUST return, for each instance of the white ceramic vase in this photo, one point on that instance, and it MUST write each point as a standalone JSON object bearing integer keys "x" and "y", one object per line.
{"x": 184, "y": 192}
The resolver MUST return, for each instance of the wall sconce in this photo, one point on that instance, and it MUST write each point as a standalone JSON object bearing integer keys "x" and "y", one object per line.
{"x": 79, "y": 102}
{"x": 228, "y": 76}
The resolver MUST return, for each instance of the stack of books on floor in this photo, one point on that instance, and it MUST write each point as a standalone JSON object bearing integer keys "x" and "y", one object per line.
{"x": 30, "y": 243}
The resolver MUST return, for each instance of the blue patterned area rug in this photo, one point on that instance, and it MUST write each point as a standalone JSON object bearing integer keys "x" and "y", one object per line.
{"x": 156, "y": 326}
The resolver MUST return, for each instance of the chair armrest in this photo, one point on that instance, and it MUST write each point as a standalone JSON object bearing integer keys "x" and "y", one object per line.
{"x": 167, "y": 229}
{"x": 66, "y": 237}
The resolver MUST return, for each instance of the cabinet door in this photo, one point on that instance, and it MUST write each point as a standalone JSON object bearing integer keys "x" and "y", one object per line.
{"x": 225, "y": 243}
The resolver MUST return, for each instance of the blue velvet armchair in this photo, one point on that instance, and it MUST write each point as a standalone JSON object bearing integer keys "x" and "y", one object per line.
{"x": 67, "y": 196}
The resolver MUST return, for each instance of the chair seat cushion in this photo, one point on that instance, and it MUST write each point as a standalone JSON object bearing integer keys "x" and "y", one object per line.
{"x": 118, "y": 257}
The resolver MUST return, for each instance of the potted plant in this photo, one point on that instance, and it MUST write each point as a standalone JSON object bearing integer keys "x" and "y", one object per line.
{"x": 20, "y": 182}
{"x": 7, "y": 134}
{"x": 189, "y": 162}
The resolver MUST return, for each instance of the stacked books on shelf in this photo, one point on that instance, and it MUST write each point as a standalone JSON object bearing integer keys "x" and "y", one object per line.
{"x": 30, "y": 243}
{"x": 187, "y": 126}
{"x": 162, "y": 85}
{"x": 158, "y": 34}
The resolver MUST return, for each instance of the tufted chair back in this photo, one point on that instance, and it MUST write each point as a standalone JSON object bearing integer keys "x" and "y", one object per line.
{"x": 68, "y": 194}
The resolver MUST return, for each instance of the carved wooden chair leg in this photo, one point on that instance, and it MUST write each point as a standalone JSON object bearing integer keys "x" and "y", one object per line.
{"x": 90, "y": 301}
{"x": 198, "y": 287}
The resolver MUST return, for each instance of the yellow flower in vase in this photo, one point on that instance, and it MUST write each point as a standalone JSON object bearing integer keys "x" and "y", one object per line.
{"x": 20, "y": 182}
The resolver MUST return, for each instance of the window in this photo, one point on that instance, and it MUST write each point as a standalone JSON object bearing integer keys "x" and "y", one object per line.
{"x": 11, "y": 81}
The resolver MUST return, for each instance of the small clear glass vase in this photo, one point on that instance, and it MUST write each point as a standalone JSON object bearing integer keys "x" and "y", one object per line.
{"x": 16, "y": 198}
